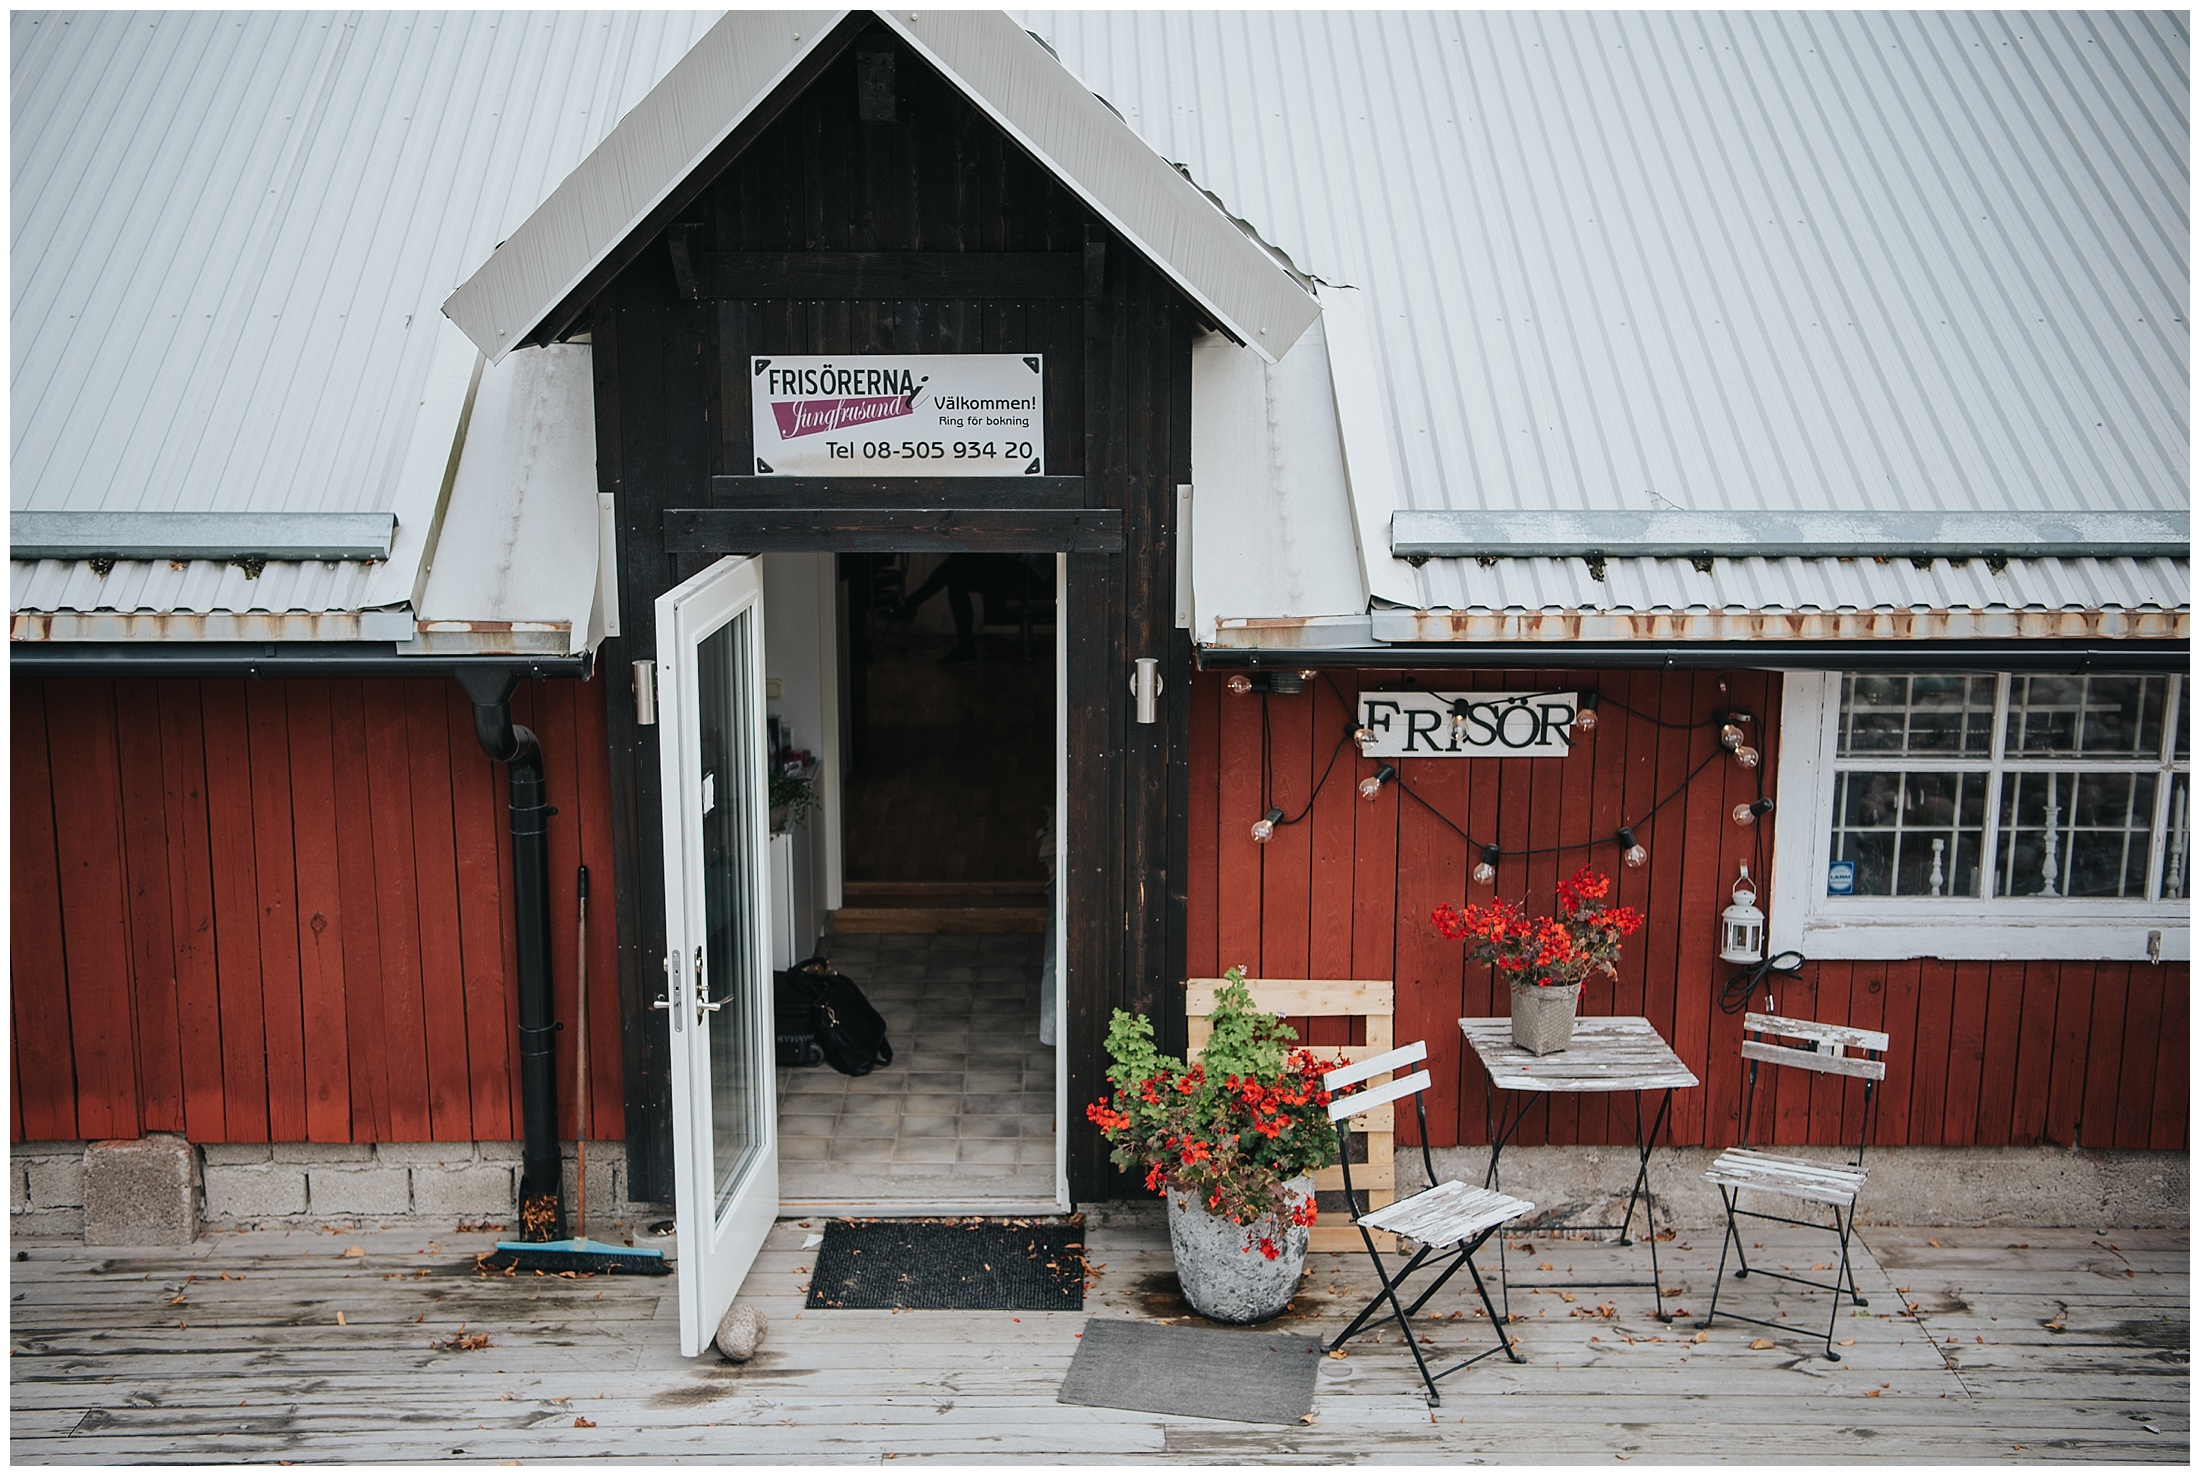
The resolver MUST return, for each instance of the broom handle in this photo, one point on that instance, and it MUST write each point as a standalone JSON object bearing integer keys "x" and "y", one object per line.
{"x": 586, "y": 1118}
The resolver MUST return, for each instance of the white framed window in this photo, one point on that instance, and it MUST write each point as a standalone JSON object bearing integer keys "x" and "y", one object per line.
{"x": 1983, "y": 815}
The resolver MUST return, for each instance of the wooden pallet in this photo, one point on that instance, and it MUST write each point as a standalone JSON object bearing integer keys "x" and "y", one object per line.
{"x": 1362, "y": 999}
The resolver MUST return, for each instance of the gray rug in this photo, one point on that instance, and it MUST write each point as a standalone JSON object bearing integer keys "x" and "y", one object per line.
{"x": 1259, "y": 1378}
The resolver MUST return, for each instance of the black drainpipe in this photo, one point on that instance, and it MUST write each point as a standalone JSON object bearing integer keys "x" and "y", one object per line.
{"x": 541, "y": 1174}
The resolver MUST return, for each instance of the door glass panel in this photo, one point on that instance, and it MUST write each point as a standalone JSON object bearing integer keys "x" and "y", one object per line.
{"x": 731, "y": 922}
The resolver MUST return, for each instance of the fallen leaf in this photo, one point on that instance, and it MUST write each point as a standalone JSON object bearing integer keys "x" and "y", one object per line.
{"x": 1336, "y": 1353}
{"x": 1871, "y": 1393}
{"x": 340, "y": 1320}
{"x": 357, "y": 1250}
{"x": 1545, "y": 1266}
{"x": 583, "y": 1422}
{"x": 176, "y": 1299}
{"x": 1934, "y": 1244}
{"x": 1761, "y": 1343}
{"x": 1701, "y": 1337}
{"x": 1848, "y": 1342}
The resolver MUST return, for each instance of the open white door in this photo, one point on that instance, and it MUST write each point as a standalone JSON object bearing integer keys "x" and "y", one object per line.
{"x": 710, "y": 713}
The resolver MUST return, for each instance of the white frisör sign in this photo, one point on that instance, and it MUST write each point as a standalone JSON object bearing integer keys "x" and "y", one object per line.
{"x": 1420, "y": 724}
{"x": 899, "y": 415}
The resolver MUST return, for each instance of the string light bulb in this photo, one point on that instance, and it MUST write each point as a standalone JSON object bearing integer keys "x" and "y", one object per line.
{"x": 1265, "y": 826}
{"x": 1585, "y": 716}
{"x": 1747, "y": 812}
{"x": 1239, "y": 683}
{"x": 1730, "y": 736}
{"x": 1747, "y": 757}
{"x": 1364, "y": 736}
{"x": 1373, "y": 784}
{"x": 1458, "y": 723}
{"x": 1632, "y": 851}
{"x": 1485, "y": 870}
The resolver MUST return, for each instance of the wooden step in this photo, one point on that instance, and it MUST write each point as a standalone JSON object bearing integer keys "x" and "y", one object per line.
{"x": 944, "y": 894}
{"x": 939, "y": 920}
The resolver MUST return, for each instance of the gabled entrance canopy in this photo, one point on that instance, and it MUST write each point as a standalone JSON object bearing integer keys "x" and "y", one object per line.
{"x": 751, "y": 63}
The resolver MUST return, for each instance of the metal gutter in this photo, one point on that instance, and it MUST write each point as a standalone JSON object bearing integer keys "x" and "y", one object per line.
{"x": 2030, "y": 655}
{"x": 1626, "y": 533}
{"x": 201, "y": 535}
{"x": 271, "y": 659}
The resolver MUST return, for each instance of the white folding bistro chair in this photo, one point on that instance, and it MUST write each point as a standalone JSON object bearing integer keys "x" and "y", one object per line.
{"x": 1443, "y": 1217}
{"x": 1745, "y": 1170}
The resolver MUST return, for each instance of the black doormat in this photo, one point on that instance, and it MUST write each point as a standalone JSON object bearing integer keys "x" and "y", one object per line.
{"x": 1258, "y": 1378}
{"x": 952, "y": 1265}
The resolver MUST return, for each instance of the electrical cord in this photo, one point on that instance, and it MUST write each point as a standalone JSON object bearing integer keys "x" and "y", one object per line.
{"x": 1740, "y": 985}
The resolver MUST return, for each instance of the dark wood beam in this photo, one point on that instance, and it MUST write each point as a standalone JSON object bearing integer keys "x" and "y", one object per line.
{"x": 882, "y": 276}
{"x": 710, "y": 530}
{"x": 1012, "y": 493}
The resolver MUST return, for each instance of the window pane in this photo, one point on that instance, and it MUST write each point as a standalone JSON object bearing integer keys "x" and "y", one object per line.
{"x": 2086, "y": 716}
{"x": 2184, "y": 722}
{"x": 1908, "y": 835}
{"x": 2075, "y": 835}
{"x": 1917, "y": 715}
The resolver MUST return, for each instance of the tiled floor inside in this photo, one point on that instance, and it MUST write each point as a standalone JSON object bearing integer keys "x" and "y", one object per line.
{"x": 966, "y": 1111}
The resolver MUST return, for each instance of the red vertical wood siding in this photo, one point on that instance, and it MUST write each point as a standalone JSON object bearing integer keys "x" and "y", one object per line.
{"x": 280, "y": 911}
{"x": 2092, "y": 1054}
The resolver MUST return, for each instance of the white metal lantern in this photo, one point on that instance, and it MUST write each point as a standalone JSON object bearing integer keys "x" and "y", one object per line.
{"x": 1742, "y": 926}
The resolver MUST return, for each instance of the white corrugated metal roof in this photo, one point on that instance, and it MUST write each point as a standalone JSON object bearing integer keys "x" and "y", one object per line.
{"x": 1721, "y": 261}
{"x": 1717, "y": 261}
{"x": 737, "y": 66}
{"x": 231, "y": 238}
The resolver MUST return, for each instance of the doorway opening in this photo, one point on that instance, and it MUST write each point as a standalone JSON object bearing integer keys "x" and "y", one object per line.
{"x": 934, "y": 835}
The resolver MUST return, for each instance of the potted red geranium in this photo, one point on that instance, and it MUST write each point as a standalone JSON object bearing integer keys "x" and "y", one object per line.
{"x": 1232, "y": 1140}
{"x": 1545, "y": 961}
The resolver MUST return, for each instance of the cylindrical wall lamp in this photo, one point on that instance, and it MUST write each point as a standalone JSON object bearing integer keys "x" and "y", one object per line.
{"x": 1146, "y": 686}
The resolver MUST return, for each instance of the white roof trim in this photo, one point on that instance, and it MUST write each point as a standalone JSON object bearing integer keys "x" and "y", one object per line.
{"x": 1002, "y": 70}
{"x": 645, "y": 158}
{"x": 1037, "y": 101}
{"x": 1363, "y": 429}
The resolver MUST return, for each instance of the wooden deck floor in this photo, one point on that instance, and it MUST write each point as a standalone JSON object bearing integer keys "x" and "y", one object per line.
{"x": 2049, "y": 1344}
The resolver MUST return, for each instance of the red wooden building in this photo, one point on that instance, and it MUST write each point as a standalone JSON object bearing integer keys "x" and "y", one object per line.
{"x": 1396, "y": 359}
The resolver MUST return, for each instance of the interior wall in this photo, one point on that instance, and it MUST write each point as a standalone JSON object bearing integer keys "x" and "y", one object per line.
{"x": 2076, "y": 1053}
{"x": 801, "y": 659}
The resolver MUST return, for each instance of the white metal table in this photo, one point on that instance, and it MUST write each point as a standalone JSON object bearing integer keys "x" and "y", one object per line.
{"x": 1609, "y": 1053}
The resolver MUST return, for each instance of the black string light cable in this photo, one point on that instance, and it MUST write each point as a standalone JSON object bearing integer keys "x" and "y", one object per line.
{"x": 1731, "y": 743}
{"x": 1740, "y": 986}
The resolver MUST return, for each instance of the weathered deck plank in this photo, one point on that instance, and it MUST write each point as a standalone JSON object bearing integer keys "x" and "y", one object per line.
{"x": 2078, "y": 1360}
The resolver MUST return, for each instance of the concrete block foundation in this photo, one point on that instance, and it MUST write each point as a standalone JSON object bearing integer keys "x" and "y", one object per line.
{"x": 234, "y": 1186}
{"x": 139, "y": 1191}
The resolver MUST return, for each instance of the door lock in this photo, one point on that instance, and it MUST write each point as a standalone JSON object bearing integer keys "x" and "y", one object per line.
{"x": 704, "y": 1005}
{"x": 668, "y": 1001}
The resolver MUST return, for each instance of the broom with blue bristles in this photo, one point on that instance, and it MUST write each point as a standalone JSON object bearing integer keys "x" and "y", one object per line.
{"x": 580, "y": 1253}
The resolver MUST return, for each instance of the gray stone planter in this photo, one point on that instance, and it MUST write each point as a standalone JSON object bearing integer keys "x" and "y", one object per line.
{"x": 1543, "y": 1017}
{"x": 1220, "y": 1266}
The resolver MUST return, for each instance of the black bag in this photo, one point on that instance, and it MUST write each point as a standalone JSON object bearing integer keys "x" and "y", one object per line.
{"x": 847, "y": 1029}
{"x": 794, "y": 999}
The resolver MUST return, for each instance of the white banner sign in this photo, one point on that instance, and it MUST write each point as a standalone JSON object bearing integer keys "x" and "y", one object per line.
{"x": 1420, "y": 724}
{"x": 899, "y": 415}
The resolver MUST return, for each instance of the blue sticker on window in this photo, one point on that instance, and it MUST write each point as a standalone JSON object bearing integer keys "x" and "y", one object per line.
{"x": 1841, "y": 879}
